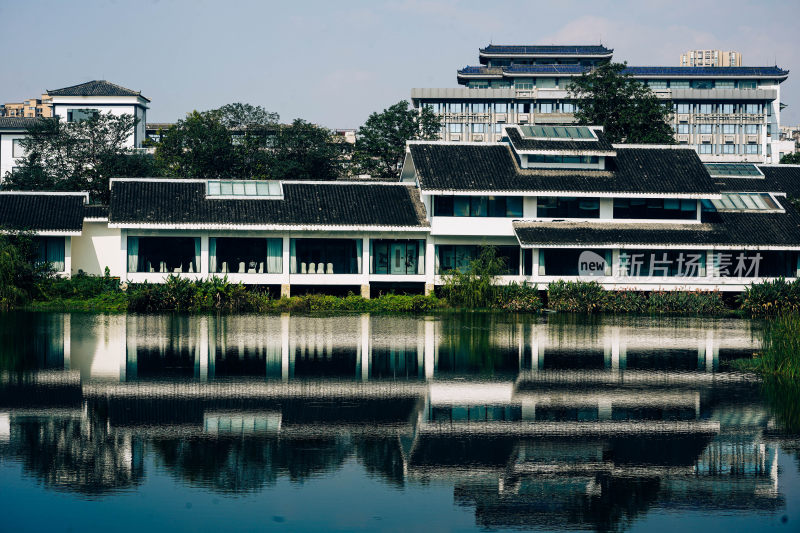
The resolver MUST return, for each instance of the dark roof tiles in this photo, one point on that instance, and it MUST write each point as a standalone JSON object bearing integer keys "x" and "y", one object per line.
{"x": 94, "y": 88}
{"x": 41, "y": 212}
{"x": 493, "y": 167}
{"x": 334, "y": 204}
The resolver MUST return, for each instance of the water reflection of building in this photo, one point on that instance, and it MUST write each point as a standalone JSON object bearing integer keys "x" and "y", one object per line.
{"x": 537, "y": 423}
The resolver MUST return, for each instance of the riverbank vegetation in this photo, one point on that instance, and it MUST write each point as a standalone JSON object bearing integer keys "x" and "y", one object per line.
{"x": 780, "y": 349}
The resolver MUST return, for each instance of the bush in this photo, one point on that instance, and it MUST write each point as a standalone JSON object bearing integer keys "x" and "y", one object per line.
{"x": 519, "y": 298}
{"x": 591, "y": 297}
{"x": 19, "y": 269}
{"x": 771, "y": 298}
{"x": 476, "y": 286}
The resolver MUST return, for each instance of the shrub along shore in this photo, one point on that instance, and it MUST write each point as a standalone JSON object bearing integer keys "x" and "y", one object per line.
{"x": 104, "y": 293}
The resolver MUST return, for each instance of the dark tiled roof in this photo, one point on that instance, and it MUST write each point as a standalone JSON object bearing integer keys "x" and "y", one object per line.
{"x": 785, "y": 177}
{"x": 334, "y": 204}
{"x": 525, "y": 69}
{"x": 559, "y": 50}
{"x": 94, "y": 88}
{"x": 41, "y": 212}
{"x": 17, "y": 123}
{"x": 493, "y": 167}
{"x": 95, "y": 211}
{"x": 527, "y": 143}
{"x": 706, "y": 71}
{"x": 720, "y": 229}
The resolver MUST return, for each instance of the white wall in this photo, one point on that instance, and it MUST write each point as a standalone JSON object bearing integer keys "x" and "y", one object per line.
{"x": 98, "y": 247}
{"x": 62, "y": 109}
{"x": 7, "y": 161}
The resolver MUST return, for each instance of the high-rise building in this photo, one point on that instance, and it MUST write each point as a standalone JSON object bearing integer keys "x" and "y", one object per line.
{"x": 711, "y": 58}
{"x": 727, "y": 113}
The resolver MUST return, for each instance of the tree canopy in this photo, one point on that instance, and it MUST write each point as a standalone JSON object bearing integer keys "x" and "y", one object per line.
{"x": 241, "y": 141}
{"x": 790, "y": 159}
{"x": 78, "y": 156}
{"x": 381, "y": 141}
{"x": 628, "y": 110}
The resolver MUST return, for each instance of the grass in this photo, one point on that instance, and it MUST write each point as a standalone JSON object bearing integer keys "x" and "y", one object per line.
{"x": 780, "y": 349}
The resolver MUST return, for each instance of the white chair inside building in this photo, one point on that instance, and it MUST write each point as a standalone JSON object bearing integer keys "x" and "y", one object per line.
{"x": 242, "y": 268}
{"x": 320, "y": 268}
{"x": 312, "y": 268}
{"x": 261, "y": 267}
{"x": 303, "y": 269}
{"x": 329, "y": 268}
{"x": 191, "y": 268}
{"x": 225, "y": 267}
{"x": 150, "y": 267}
{"x": 162, "y": 267}
{"x": 179, "y": 269}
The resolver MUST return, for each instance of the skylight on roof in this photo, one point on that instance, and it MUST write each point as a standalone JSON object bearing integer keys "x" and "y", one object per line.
{"x": 733, "y": 170}
{"x": 559, "y": 132}
{"x": 746, "y": 201}
{"x": 244, "y": 189}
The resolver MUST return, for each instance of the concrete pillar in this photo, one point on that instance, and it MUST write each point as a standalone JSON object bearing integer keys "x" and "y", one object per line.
{"x": 365, "y": 291}
{"x": 202, "y": 268}
{"x": 430, "y": 261}
{"x": 429, "y": 289}
{"x": 286, "y": 290}
{"x": 287, "y": 265}
{"x": 68, "y": 256}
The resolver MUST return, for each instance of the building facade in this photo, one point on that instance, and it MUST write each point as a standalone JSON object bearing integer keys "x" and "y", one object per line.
{"x": 711, "y": 58}
{"x": 32, "y": 108}
{"x": 727, "y": 114}
{"x": 556, "y": 203}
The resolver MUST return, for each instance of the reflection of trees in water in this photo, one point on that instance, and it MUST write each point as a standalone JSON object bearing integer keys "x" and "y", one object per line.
{"x": 31, "y": 341}
{"x": 64, "y": 454}
{"x": 782, "y": 396}
{"x": 248, "y": 464}
{"x": 478, "y": 343}
{"x": 383, "y": 458}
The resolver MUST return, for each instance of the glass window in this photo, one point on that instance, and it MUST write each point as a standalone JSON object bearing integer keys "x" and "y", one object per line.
{"x": 455, "y": 107}
{"x": 436, "y": 107}
{"x": 657, "y": 84}
{"x": 51, "y": 250}
{"x": 546, "y": 83}
{"x": 566, "y": 262}
{"x": 752, "y": 109}
{"x": 705, "y": 128}
{"x": 442, "y": 206}
{"x": 752, "y": 148}
{"x": 78, "y": 115}
{"x": 729, "y": 129}
{"x": 501, "y": 107}
{"x": 682, "y": 128}
{"x": 478, "y": 128}
{"x": 747, "y": 84}
{"x": 163, "y": 254}
{"x": 724, "y": 84}
{"x": 655, "y": 208}
{"x": 702, "y": 84}
{"x": 704, "y": 148}
{"x": 398, "y": 256}
{"x": 461, "y": 206}
{"x": 679, "y": 84}
{"x": 663, "y": 263}
{"x": 728, "y": 148}
{"x": 523, "y": 83}
{"x": 751, "y": 129}
{"x": 328, "y": 256}
{"x": 235, "y": 255}
{"x": 728, "y": 108}
{"x": 479, "y": 107}
{"x": 455, "y": 128}
{"x": 498, "y": 128}
{"x": 567, "y": 207}
{"x": 683, "y": 109}
{"x": 478, "y": 206}
{"x": 545, "y": 107}
{"x": 567, "y": 107}
{"x": 705, "y": 108}
{"x": 17, "y": 150}
{"x": 459, "y": 257}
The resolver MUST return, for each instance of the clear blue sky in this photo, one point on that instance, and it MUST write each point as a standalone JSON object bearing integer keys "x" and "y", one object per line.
{"x": 333, "y": 63}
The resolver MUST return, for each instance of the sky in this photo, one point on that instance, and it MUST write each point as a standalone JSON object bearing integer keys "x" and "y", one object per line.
{"x": 334, "y": 63}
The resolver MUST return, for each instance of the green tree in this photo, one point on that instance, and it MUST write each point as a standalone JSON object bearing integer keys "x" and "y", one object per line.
{"x": 790, "y": 159}
{"x": 78, "y": 156}
{"x": 198, "y": 146}
{"x": 19, "y": 269}
{"x": 304, "y": 151}
{"x": 245, "y": 116}
{"x": 627, "y": 109}
{"x": 381, "y": 141}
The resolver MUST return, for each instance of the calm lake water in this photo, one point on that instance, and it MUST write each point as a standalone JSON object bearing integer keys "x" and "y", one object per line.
{"x": 358, "y": 422}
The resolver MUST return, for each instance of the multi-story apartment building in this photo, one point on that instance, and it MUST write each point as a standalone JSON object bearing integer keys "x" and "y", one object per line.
{"x": 711, "y": 58}
{"x": 31, "y": 108}
{"x": 727, "y": 113}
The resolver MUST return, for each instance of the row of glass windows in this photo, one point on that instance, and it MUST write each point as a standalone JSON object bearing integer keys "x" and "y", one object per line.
{"x": 726, "y": 129}
{"x": 564, "y": 207}
{"x": 702, "y": 84}
{"x": 562, "y": 159}
{"x": 460, "y": 256}
{"x": 685, "y": 108}
{"x": 244, "y": 255}
{"x": 474, "y": 128}
{"x": 477, "y": 206}
{"x": 708, "y": 148}
{"x": 534, "y": 106}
